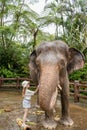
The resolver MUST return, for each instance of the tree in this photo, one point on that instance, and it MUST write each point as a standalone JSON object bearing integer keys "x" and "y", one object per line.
{"x": 16, "y": 20}
{"x": 70, "y": 20}
{"x": 75, "y": 25}
{"x": 52, "y": 16}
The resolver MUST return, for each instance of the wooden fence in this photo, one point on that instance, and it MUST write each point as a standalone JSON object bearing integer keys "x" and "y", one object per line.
{"x": 77, "y": 89}
{"x": 10, "y": 83}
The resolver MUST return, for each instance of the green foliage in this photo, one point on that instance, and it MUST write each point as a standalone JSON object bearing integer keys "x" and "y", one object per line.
{"x": 17, "y": 26}
{"x": 13, "y": 60}
{"x": 80, "y": 75}
{"x": 85, "y": 53}
{"x": 21, "y": 31}
{"x": 4, "y": 72}
{"x": 70, "y": 20}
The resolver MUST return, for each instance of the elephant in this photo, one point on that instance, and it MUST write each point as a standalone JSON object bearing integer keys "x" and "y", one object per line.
{"x": 50, "y": 65}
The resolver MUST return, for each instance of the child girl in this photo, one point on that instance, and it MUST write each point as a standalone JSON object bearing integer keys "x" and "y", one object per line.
{"x": 26, "y": 93}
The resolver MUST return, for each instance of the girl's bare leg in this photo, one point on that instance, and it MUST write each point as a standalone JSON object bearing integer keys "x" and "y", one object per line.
{"x": 25, "y": 115}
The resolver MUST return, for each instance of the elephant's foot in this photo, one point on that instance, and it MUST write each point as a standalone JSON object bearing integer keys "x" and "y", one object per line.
{"x": 49, "y": 124}
{"x": 66, "y": 121}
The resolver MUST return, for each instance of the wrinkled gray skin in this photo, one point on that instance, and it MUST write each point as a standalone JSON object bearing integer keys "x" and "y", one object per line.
{"x": 50, "y": 65}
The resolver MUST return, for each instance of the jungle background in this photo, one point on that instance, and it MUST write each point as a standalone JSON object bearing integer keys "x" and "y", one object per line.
{"x": 22, "y": 29}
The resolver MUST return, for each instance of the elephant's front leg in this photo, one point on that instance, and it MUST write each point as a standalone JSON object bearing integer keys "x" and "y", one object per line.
{"x": 49, "y": 121}
{"x": 65, "y": 119}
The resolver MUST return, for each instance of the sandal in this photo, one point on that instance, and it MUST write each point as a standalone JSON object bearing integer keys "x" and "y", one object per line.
{"x": 27, "y": 120}
{"x": 23, "y": 125}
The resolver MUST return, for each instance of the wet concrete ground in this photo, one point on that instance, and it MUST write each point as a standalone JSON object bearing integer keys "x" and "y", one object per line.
{"x": 11, "y": 108}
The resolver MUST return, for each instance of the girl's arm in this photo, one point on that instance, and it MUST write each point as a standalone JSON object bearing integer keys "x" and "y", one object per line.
{"x": 23, "y": 92}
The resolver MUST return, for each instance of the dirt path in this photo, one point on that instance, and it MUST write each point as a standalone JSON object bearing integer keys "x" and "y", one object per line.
{"x": 11, "y": 108}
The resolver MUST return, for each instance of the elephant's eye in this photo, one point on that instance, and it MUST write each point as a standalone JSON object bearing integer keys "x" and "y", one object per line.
{"x": 37, "y": 62}
{"x": 62, "y": 64}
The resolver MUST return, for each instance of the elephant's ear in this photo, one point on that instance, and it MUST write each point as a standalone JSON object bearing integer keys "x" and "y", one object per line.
{"x": 33, "y": 66}
{"x": 76, "y": 60}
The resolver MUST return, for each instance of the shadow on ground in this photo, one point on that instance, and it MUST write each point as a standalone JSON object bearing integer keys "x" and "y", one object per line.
{"x": 11, "y": 109}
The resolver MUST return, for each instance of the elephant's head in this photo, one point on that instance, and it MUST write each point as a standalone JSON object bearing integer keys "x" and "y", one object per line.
{"x": 49, "y": 66}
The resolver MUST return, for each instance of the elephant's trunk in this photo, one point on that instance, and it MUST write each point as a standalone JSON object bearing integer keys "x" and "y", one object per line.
{"x": 48, "y": 87}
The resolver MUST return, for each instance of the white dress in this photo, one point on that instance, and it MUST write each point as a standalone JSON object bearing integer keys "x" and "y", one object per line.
{"x": 27, "y": 98}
